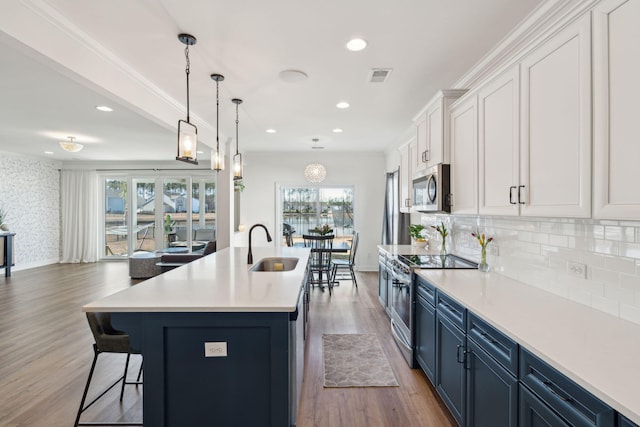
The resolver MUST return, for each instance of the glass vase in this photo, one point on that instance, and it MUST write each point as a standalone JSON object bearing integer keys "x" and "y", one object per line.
{"x": 483, "y": 266}
{"x": 443, "y": 247}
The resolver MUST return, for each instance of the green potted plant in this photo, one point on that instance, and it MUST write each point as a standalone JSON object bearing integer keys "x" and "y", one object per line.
{"x": 417, "y": 233}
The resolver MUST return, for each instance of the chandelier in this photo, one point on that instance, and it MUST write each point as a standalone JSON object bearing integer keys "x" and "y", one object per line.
{"x": 315, "y": 172}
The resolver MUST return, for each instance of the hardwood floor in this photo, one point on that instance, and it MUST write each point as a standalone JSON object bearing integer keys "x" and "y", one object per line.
{"x": 46, "y": 352}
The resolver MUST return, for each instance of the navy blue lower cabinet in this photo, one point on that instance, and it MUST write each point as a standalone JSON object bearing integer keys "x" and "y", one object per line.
{"x": 450, "y": 370}
{"x": 576, "y": 405}
{"x": 534, "y": 413}
{"x": 425, "y": 342}
{"x": 625, "y": 422}
{"x": 492, "y": 392}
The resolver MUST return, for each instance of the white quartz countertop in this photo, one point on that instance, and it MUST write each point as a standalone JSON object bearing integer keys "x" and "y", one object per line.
{"x": 220, "y": 282}
{"x": 598, "y": 351}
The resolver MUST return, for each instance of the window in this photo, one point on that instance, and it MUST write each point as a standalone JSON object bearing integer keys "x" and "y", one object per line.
{"x": 182, "y": 217}
{"x": 305, "y": 208}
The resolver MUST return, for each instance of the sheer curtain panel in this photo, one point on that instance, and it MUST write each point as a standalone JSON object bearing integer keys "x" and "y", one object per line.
{"x": 79, "y": 211}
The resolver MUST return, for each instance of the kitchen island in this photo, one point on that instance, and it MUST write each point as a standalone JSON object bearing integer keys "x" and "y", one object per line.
{"x": 222, "y": 345}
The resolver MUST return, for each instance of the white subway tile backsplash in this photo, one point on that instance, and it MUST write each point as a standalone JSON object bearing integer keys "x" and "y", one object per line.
{"x": 622, "y": 265}
{"x": 630, "y": 250}
{"x": 629, "y": 281}
{"x": 604, "y": 276}
{"x": 630, "y": 313}
{"x": 560, "y": 241}
{"x": 536, "y": 251}
{"x": 605, "y": 304}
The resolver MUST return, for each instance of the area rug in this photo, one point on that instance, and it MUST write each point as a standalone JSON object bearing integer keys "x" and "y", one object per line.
{"x": 355, "y": 360}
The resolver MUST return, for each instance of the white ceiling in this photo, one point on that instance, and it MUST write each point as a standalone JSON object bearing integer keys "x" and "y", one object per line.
{"x": 61, "y": 58}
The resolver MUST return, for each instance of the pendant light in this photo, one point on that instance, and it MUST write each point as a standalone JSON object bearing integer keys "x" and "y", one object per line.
{"x": 217, "y": 158}
{"x": 315, "y": 172}
{"x": 187, "y": 133}
{"x": 237, "y": 159}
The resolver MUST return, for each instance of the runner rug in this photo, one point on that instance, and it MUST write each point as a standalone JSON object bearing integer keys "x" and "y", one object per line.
{"x": 355, "y": 360}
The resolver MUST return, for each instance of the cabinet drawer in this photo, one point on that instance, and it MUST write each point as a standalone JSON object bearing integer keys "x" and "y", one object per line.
{"x": 498, "y": 345}
{"x": 452, "y": 310}
{"x": 576, "y": 405}
{"x": 426, "y": 290}
{"x": 625, "y": 422}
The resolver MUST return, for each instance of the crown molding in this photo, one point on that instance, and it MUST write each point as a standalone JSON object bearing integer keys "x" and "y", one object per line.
{"x": 545, "y": 21}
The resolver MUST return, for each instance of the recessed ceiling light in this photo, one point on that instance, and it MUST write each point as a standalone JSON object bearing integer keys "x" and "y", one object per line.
{"x": 271, "y": 131}
{"x": 356, "y": 45}
{"x": 342, "y": 104}
{"x": 48, "y": 152}
{"x": 104, "y": 108}
{"x": 337, "y": 130}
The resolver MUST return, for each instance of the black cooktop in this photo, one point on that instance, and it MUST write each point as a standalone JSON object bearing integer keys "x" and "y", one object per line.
{"x": 436, "y": 261}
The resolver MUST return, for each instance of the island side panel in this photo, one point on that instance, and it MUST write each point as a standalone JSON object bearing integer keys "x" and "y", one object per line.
{"x": 183, "y": 387}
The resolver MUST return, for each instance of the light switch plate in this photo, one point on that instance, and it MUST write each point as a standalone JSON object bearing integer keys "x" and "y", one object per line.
{"x": 215, "y": 349}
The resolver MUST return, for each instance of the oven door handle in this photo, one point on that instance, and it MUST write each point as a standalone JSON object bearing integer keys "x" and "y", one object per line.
{"x": 399, "y": 336}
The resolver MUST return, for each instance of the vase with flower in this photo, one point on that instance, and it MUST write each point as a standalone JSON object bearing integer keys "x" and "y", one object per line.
{"x": 442, "y": 229}
{"x": 484, "y": 242}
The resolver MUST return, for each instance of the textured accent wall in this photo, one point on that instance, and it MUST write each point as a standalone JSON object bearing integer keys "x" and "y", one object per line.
{"x": 540, "y": 252}
{"x": 30, "y": 192}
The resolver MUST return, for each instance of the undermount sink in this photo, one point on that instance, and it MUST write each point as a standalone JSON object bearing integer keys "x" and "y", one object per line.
{"x": 275, "y": 264}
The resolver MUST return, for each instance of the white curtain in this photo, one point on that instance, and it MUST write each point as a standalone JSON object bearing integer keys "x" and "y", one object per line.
{"x": 79, "y": 210}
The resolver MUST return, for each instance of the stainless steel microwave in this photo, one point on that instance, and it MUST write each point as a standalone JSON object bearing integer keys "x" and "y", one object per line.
{"x": 431, "y": 190}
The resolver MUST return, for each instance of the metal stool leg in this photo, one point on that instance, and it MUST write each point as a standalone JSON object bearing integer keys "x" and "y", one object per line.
{"x": 86, "y": 387}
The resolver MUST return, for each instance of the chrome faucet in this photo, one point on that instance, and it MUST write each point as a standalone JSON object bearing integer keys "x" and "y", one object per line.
{"x": 250, "y": 256}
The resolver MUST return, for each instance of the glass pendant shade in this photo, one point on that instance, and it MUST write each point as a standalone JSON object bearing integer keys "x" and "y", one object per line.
{"x": 187, "y": 142}
{"x": 237, "y": 166}
{"x": 315, "y": 172}
{"x": 237, "y": 159}
{"x": 187, "y": 133}
{"x": 217, "y": 160}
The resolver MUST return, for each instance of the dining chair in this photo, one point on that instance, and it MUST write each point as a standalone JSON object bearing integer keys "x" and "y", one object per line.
{"x": 107, "y": 340}
{"x": 319, "y": 260}
{"x": 349, "y": 264}
{"x": 287, "y": 232}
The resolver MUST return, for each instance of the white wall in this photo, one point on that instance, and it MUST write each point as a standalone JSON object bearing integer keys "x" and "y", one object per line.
{"x": 30, "y": 192}
{"x": 364, "y": 171}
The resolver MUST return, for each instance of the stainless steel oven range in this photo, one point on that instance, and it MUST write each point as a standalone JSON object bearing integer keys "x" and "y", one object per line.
{"x": 402, "y": 295}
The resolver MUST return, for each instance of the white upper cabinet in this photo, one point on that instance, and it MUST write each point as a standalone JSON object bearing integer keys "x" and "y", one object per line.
{"x": 555, "y": 158}
{"x": 405, "y": 176}
{"x": 498, "y": 145}
{"x": 464, "y": 156}
{"x": 432, "y": 131}
{"x": 616, "y": 72}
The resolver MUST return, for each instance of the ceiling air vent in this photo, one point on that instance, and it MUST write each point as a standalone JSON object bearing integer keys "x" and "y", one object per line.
{"x": 379, "y": 75}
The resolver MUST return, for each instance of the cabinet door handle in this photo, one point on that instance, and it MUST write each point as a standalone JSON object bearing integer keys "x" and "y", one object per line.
{"x": 450, "y": 199}
{"x": 407, "y": 203}
{"x": 548, "y": 385}
{"x": 426, "y": 156}
{"x": 513, "y": 187}
{"x": 460, "y": 358}
{"x": 520, "y": 201}
{"x": 488, "y": 338}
